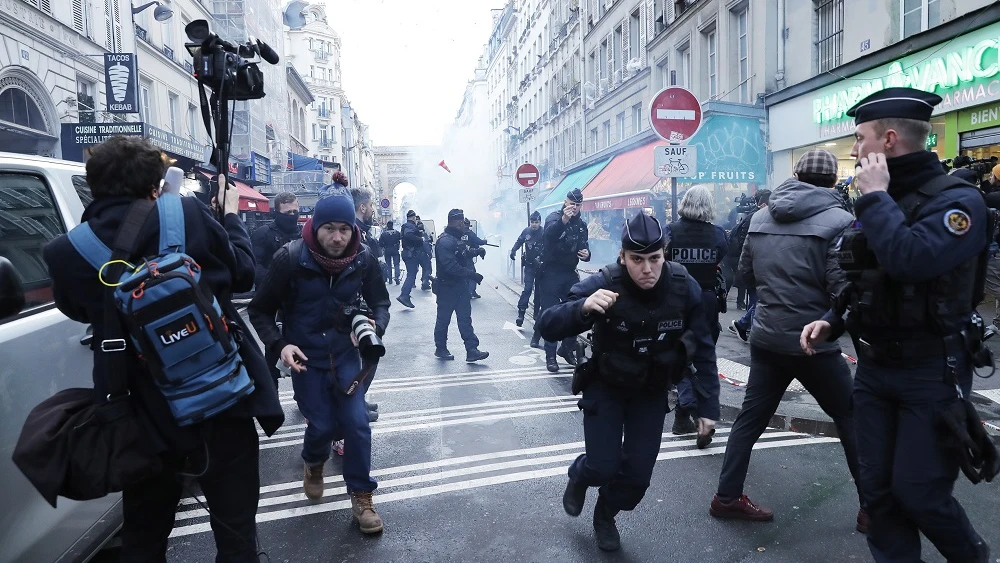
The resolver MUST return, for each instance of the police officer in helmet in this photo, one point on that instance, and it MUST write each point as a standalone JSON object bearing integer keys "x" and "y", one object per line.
{"x": 649, "y": 330}
{"x": 913, "y": 263}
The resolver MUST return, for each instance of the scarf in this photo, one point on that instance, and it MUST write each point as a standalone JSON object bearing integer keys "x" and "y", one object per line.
{"x": 332, "y": 266}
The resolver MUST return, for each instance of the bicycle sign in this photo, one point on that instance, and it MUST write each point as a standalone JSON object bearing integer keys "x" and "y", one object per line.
{"x": 675, "y": 161}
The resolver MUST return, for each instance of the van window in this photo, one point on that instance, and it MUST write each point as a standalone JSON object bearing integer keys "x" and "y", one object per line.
{"x": 29, "y": 219}
{"x": 83, "y": 190}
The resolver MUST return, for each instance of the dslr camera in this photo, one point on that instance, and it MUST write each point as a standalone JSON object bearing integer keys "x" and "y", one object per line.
{"x": 355, "y": 316}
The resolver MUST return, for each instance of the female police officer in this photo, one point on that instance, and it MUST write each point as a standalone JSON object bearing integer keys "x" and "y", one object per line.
{"x": 649, "y": 326}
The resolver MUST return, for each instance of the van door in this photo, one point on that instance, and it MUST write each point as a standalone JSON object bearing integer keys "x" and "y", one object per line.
{"x": 42, "y": 354}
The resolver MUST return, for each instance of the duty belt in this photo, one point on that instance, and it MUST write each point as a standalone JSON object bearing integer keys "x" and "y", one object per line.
{"x": 899, "y": 353}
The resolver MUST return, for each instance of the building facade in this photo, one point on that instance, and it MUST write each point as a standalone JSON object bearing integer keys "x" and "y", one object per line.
{"x": 949, "y": 47}
{"x": 358, "y": 159}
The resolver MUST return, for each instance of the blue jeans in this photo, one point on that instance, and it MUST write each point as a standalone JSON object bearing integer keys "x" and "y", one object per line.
{"x": 621, "y": 468}
{"x": 411, "y": 263}
{"x": 747, "y": 321}
{"x": 331, "y": 413}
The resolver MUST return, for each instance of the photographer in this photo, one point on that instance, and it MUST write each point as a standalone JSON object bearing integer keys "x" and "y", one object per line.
{"x": 121, "y": 171}
{"x": 313, "y": 282}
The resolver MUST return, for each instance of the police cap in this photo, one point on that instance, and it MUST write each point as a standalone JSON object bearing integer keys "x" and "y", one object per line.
{"x": 456, "y": 214}
{"x": 535, "y": 216}
{"x": 905, "y": 103}
{"x": 642, "y": 235}
{"x": 411, "y": 213}
{"x": 575, "y": 195}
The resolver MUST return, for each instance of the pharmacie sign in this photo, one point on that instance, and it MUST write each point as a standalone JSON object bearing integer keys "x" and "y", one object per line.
{"x": 964, "y": 71}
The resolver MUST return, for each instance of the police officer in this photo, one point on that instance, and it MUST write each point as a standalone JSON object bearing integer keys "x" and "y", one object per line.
{"x": 649, "y": 329}
{"x": 531, "y": 240}
{"x": 909, "y": 308}
{"x": 413, "y": 245}
{"x": 476, "y": 244}
{"x": 424, "y": 256}
{"x": 694, "y": 242}
{"x": 454, "y": 263}
{"x": 389, "y": 240}
{"x": 565, "y": 244}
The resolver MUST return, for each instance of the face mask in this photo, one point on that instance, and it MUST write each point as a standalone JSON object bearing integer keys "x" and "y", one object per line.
{"x": 286, "y": 221}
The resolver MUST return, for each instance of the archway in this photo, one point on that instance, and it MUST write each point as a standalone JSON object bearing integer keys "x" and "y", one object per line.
{"x": 28, "y": 122}
{"x": 404, "y": 197}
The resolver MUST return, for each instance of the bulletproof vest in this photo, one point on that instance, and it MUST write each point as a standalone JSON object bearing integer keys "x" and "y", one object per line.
{"x": 532, "y": 244}
{"x": 637, "y": 343}
{"x": 883, "y": 306}
{"x": 692, "y": 244}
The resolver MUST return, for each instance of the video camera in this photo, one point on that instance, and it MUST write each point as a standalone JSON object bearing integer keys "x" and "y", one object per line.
{"x": 980, "y": 166}
{"x": 232, "y": 74}
{"x": 746, "y": 204}
{"x": 845, "y": 194}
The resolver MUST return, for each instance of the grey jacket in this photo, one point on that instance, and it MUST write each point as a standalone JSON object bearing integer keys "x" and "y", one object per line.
{"x": 789, "y": 257}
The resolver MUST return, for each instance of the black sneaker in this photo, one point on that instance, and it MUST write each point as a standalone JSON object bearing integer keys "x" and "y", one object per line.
{"x": 740, "y": 332}
{"x": 444, "y": 354}
{"x": 605, "y": 528}
{"x": 574, "y": 497}
{"x": 552, "y": 365}
{"x": 476, "y": 355}
{"x": 405, "y": 301}
{"x": 520, "y": 319}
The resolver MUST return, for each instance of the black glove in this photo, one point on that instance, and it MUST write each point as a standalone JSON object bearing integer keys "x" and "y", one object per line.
{"x": 478, "y": 278}
{"x": 512, "y": 257}
{"x": 961, "y": 431}
{"x": 481, "y": 252}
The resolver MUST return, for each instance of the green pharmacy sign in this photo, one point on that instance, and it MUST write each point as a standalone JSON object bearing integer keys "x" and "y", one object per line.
{"x": 963, "y": 72}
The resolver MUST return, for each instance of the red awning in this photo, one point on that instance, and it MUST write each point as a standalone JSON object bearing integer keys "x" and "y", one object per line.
{"x": 626, "y": 182}
{"x": 250, "y": 199}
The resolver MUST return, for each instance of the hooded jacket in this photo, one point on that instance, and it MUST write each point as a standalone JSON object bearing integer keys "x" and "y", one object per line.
{"x": 789, "y": 256}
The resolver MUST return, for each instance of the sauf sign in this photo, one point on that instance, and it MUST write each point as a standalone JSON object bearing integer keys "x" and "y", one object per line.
{"x": 121, "y": 83}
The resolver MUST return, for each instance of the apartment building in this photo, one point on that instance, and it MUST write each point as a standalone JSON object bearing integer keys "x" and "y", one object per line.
{"x": 822, "y": 67}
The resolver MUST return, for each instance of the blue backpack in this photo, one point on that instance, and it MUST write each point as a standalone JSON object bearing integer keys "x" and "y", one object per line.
{"x": 174, "y": 322}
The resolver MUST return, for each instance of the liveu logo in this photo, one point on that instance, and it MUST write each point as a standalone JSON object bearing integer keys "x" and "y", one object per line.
{"x": 178, "y": 331}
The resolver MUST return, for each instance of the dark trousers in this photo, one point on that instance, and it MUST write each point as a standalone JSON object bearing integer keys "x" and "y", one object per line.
{"x": 686, "y": 398}
{"x": 554, "y": 285}
{"x": 826, "y": 377}
{"x": 231, "y": 487}
{"x": 529, "y": 285}
{"x": 622, "y": 431}
{"x": 332, "y": 414}
{"x": 454, "y": 297}
{"x": 412, "y": 263}
{"x": 392, "y": 260}
{"x": 426, "y": 269}
{"x": 906, "y": 476}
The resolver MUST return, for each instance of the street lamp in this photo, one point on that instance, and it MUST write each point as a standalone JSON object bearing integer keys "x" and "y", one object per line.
{"x": 160, "y": 14}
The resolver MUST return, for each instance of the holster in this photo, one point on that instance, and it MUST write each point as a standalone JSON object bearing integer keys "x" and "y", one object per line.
{"x": 582, "y": 375}
{"x": 961, "y": 431}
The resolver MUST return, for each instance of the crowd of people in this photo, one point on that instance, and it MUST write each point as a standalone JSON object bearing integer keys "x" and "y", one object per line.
{"x": 906, "y": 270}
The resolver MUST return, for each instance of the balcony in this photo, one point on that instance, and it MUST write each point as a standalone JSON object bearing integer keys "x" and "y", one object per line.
{"x": 323, "y": 113}
{"x": 321, "y": 55}
{"x": 189, "y": 67}
{"x": 325, "y": 143}
{"x": 168, "y": 52}
{"x": 140, "y": 32}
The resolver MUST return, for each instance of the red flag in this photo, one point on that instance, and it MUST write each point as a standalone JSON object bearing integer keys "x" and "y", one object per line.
{"x": 445, "y": 166}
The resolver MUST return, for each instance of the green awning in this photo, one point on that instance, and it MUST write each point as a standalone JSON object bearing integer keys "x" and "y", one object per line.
{"x": 572, "y": 181}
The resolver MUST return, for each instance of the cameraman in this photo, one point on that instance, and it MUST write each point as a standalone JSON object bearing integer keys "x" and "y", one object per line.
{"x": 120, "y": 171}
{"x": 312, "y": 282}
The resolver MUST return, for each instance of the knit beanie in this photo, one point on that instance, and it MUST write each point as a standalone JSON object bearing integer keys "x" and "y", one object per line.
{"x": 337, "y": 206}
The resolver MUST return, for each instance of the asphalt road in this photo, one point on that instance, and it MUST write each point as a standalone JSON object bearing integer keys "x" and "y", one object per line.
{"x": 471, "y": 462}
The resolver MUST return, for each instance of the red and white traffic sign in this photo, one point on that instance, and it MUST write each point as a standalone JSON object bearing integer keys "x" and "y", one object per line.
{"x": 527, "y": 175}
{"x": 675, "y": 114}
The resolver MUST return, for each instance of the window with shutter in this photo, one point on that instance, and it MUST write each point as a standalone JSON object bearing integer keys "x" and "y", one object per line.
{"x": 118, "y": 26}
{"x": 109, "y": 26}
{"x": 668, "y": 11}
{"x": 45, "y": 6}
{"x": 626, "y": 48}
{"x": 645, "y": 31}
{"x": 78, "y": 17}
{"x": 610, "y": 74}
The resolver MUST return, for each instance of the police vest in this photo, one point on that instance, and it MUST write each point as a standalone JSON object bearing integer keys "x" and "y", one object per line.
{"x": 692, "y": 244}
{"x": 637, "y": 343}
{"x": 532, "y": 245}
{"x": 882, "y": 306}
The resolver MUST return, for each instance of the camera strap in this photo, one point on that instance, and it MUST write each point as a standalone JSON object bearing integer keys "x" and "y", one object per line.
{"x": 206, "y": 113}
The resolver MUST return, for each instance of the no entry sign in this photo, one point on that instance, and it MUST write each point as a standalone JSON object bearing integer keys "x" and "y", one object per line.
{"x": 675, "y": 114}
{"x": 527, "y": 175}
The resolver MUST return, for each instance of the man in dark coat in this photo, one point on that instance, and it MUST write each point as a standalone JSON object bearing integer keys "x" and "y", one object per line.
{"x": 120, "y": 171}
{"x": 282, "y": 230}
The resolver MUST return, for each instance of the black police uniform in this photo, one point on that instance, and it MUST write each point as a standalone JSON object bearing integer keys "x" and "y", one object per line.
{"x": 647, "y": 339}
{"x": 476, "y": 245}
{"x": 531, "y": 240}
{"x": 454, "y": 263}
{"x": 561, "y": 242}
{"x": 424, "y": 257}
{"x": 389, "y": 241}
{"x": 413, "y": 243}
{"x": 910, "y": 301}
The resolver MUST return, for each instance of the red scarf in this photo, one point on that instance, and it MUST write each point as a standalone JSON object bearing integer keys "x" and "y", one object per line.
{"x": 332, "y": 266}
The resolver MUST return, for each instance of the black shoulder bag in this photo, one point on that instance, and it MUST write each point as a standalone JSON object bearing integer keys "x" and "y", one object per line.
{"x": 74, "y": 447}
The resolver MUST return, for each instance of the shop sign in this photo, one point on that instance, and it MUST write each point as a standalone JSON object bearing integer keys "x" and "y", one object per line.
{"x": 729, "y": 148}
{"x": 932, "y": 140}
{"x": 979, "y": 118}
{"x": 620, "y": 202}
{"x": 175, "y": 144}
{"x": 76, "y": 137}
{"x": 260, "y": 168}
{"x": 121, "y": 83}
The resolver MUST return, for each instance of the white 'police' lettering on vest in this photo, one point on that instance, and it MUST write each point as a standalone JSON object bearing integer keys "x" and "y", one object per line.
{"x": 694, "y": 255}
{"x": 672, "y": 324}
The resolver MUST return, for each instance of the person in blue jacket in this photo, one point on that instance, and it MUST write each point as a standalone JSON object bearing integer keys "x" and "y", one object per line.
{"x": 649, "y": 330}
{"x": 913, "y": 259}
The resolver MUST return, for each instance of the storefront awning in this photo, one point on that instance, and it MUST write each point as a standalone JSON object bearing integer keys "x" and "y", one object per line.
{"x": 574, "y": 180}
{"x": 624, "y": 183}
{"x": 250, "y": 199}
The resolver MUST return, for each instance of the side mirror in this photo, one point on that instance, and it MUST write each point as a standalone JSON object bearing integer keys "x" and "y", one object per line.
{"x": 11, "y": 290}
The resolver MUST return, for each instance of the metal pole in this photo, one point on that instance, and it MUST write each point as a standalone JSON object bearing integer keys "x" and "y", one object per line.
{"x": 673, "y": 199}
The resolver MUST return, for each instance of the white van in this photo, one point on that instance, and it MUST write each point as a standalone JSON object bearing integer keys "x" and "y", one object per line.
{"x": 42, "y": 352}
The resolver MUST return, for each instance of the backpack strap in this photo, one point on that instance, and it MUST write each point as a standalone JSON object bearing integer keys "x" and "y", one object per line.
{"x": 171, "y": 223}
{"x": 86, "y": 243}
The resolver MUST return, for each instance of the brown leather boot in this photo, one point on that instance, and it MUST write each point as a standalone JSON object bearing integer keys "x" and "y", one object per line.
{"x": 363, "y": 509}
{"x": 312, "y": 481}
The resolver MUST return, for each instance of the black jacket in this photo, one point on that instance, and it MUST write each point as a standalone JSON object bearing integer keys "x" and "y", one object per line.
{"x": 532, "y": 242}
{"x": 266, "y": 241}
{"x": 367, "y": 238}
{"x": 390, "y": 239}
{"x": 224, "y": 254}
{"x": 454, "y": 260}
{"x": 563, "y": 241}
{"x": 411, "y": 237}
